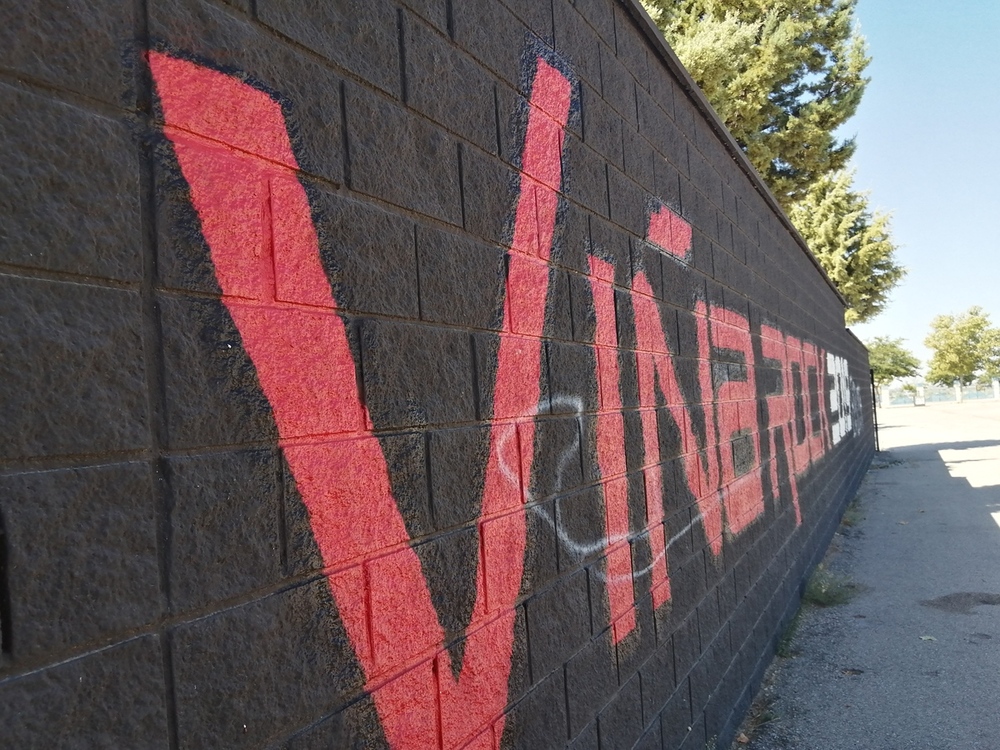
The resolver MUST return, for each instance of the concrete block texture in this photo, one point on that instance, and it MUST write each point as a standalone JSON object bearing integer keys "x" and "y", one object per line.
{"x": 78, "y": 46}
{"x": 115, "y": 697}
{"x": 306, "y": 85}
{"x": 419, "y": 374}
{"x": 221, "y": 546}
{"x": 73, "y": 369}
{"x": 65, "y": 588}
{"x": 70, "y": 189}
{"x": 420, "y": 172}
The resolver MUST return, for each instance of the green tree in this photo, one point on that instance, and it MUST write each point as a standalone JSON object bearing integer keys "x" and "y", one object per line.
{"x": 850, "y": 242}
{"x": 989, "y": 349}
{"x": 964, "y": 346}
{"x": 890, "y": 360}
{"x": 782, "y": 74}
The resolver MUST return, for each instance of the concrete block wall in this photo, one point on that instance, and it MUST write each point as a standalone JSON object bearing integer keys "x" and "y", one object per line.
{"x": 406, "y": 373}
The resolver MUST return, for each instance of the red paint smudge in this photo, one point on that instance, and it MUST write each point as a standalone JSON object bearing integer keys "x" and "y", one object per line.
{"x": 670, "y": 232}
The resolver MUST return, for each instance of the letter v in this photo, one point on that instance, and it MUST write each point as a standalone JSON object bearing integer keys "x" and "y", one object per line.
{"x": 232, "y": 145}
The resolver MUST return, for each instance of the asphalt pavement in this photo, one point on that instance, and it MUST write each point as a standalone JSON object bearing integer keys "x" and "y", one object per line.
{"x": 913, "y": 661}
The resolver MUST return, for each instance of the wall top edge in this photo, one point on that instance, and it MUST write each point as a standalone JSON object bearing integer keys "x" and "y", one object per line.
{"x": 855, "y": 337}
{"x": 673, "y": 63}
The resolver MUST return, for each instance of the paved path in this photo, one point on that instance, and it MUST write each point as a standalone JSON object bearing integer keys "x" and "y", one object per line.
{"x": 914, "y": 660}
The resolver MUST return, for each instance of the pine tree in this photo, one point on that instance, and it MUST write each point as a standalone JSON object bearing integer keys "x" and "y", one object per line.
{"x": 782, "y": 74}
{"x": 850, "y": 242}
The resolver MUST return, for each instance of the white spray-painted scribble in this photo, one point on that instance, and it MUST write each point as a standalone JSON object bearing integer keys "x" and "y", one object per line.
{"x": 580, "y": 549}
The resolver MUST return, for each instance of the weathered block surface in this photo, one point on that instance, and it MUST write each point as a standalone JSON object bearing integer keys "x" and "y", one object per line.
{"x": 415, "y": 374}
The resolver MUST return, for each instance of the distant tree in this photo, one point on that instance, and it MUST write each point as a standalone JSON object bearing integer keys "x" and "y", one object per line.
{"x": 989, "y": 348}
{"x": 964, "y": 347}
{"x": 850, "y": 242}
{"x": 890, "y": 360}
{"x": 783, "y": 75}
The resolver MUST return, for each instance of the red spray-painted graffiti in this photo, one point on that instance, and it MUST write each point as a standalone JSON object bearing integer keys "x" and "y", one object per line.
{"x": 233, "y": 148}
{"x": 669, "y": 232}
{"x": 239, "y": 165}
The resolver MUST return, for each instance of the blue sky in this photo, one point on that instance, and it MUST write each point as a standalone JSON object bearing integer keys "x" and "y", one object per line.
{"x": 928, "y": 150}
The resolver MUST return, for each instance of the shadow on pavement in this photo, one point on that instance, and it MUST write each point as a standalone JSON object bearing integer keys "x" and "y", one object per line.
{"x": 911, "y": 662}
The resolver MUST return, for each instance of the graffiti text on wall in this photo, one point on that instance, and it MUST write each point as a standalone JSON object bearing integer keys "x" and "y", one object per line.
{"x": 232, "y": 144}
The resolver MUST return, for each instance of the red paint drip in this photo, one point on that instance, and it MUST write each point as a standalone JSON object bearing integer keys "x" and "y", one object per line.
{"x": 232, "y": 145}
